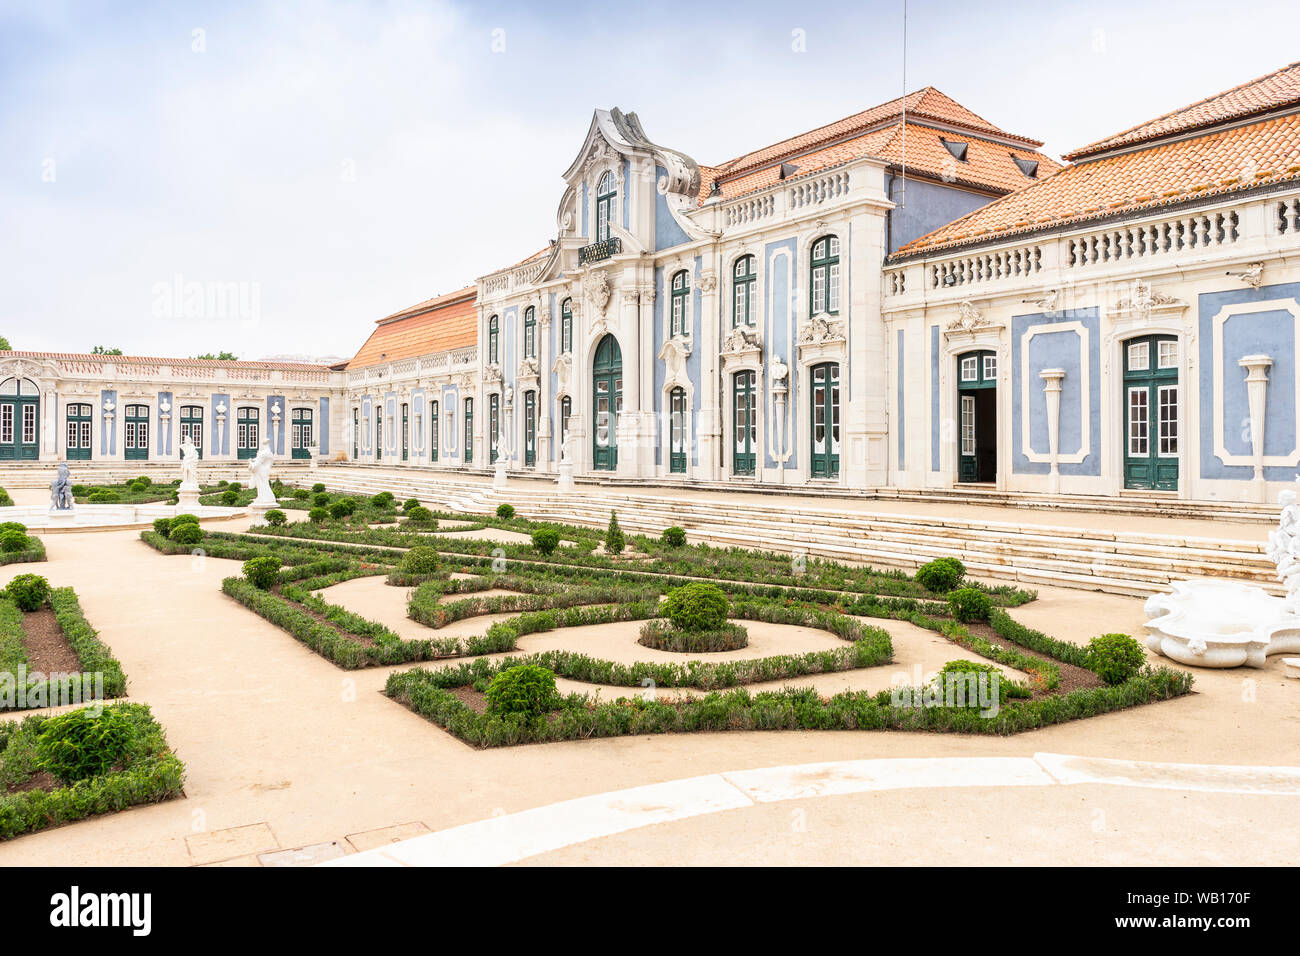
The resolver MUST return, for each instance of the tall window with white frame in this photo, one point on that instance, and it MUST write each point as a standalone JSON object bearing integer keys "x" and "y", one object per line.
{"x": 79, "y": 418}
{"x": 301, "y": 433}
{"x": 469, "y": 431}
{"x": 742, "y": 297}
{"x": 433, "y": 431}
{"x": 247, "y": 421}
{"x": 681, "y": 289}
{"x": 494, "y": 426}
{"x": 606, "y": 205}
{"x": 566, "y": 326}
{"x": 824, "y": 266}
{"x": 677, "y": 431}
{"x": 192, "y": 426}
{"x": 530, "y": 333}
{"x": 566, "y": 412}
{"x": 494, "y": 331}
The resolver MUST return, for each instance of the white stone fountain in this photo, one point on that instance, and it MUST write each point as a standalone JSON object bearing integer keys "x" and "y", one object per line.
{"x": 1219, "y": 622}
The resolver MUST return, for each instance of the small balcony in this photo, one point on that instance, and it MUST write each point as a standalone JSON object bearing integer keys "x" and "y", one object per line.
{"x": 599, "y": 251}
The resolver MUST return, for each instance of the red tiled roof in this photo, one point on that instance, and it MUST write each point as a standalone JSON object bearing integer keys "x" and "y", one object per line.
{"x": 92, "y": 357}
{"x": 1269, "y": 92}
{"x": 1161, "y": 174}
{"x": 435, "y": 325}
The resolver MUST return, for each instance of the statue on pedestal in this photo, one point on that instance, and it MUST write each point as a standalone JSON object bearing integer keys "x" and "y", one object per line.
{"x": 189, "y": 464}
{"x": 61, "y": 490}
{"x": 261, "y": 469}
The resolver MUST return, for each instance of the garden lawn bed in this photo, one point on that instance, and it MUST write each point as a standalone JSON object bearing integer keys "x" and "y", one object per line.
{"x": 34, "y": 551}
{"x": 32, "y": 799}
{"x": 52, "y": 656}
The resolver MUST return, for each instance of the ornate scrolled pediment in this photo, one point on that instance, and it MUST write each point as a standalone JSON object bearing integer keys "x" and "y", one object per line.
{"x": 1142, "y": 301}
{"x": 597, "y": 290}
{"x": 821, "y": 329}
{"x": 528, "y": 368}
{"x": 969, "y": 319}
{"x": 492, "y": 373}
{"x": 742, "y": 339}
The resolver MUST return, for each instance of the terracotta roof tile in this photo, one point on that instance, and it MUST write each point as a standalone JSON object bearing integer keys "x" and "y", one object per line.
{"x": 1162, "y": 174}
{"x": 436, "y": 325}
{"x": 1272, "y": 91}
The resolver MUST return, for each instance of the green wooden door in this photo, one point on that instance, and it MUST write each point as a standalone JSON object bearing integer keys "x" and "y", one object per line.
{"x": 494, "y": 427}
{"x": 135, "y": 422}
{"x": 530, "y": 429}
{"x": 1151, "y": 412}
{"x": 192, "y": 426}
{"x": 677, "y": 431}
{"x": 469, "y": 430}
{"x": 78, "y": 432}
{"x": 18, "y": 432}
{"x": 247, "y": 432}
{"x": 826, "y": 420}
{"x": 300, "y": 429}
{"x": 977, "y": 435}
{"x": 744, "y": 427}
{"x": 406, "y": 431}
{"x": 607, "y": 403}
{"x": 433, "y": 431}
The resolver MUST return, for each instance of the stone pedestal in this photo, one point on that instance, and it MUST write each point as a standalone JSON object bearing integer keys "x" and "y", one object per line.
{"x": 263, "y": 504}
{"x": 564, "y": 480}
{"x": 188, "y": 498}
{"x": 62, "y": 517}
{"x": 499, "y": 476}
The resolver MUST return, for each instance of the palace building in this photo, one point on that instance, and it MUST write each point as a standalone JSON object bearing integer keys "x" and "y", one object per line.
{"x": 910, "y": 297}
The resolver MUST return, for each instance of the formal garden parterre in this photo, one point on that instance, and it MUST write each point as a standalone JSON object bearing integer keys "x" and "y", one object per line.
{"x": 691, "y": 599}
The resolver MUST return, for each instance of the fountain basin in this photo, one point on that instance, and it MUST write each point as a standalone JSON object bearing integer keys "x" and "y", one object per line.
{"x": 40, "y": 520}
{"x": 1219, "y": 622}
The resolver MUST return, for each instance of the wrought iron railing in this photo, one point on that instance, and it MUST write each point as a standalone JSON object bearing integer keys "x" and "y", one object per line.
{"x": 600, "y": 250}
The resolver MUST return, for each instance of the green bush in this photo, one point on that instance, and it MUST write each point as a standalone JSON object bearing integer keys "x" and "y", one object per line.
{"x": 421, "y": 515}
{"x": 696, "y": 607}
{"x": 301, "y": 494}
{"x": 969, "y": 604}
{"x": 940, "y": 575}
{"x": 184, "y": 518}
{"x": 340, "y": 509}
{"x": 317, "y": 488}
{"x": 317, "y": 515}
{"x": 12, "y": 540}
{"x": 526, "y": 691}
{"x": 546, "y": 540}
{"x": 505, "y": 511}
{"x": 186, "y": 534}
{"x": 262, "y": 572}
{"x": 222, "y": 483}
{"x": 144, "y": 480}
{"x": 236, "y": 486}
{"x": 136, "y": 486}
{"x": 954, "y": 671}
{"x": 1115, "y": 657}
{"x": 229, "y": 497}
{"x": 410, "y": 503}
{"x": 673, "y": 537}
{"x": 13, "y": 526}
{"x": 79, "y": 744}
{"x": 162, "y": 525}
{"x": 320, "y": 499}
{"x": 420, "y": 560}
{"x": 613, "y": 536}
{"x": 28, "y": 591}
{"x": 104, "y": 497}
{"x": 276, "y": 518}
{"x": 384, "y": 499}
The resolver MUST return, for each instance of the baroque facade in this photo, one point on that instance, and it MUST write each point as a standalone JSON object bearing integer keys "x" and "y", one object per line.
{"x": 910, "y": 297}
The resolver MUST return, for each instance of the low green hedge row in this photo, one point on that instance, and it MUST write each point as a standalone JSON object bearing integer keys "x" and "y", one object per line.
{"x": 34, "y": 550}
{"x": 580, "y": 718}
{"x": 150, "y": 774}
{"x": 424, "y": 607}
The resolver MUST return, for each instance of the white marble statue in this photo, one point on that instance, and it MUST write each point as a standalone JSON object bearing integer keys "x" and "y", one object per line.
{"x": 189, "y": 464}
{"x": 61, "y": 491}
{"x": 261, "y": 469}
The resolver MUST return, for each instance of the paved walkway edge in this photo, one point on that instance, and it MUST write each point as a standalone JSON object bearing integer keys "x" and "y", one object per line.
{"x": 517, "y": 836}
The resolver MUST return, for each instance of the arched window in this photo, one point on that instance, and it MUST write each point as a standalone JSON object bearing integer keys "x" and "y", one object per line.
{"x": 606, "y": 198}
{"x": 566, "y": 325}
{"x": 681, "y": 288}
{"x": 825, "y": 265}
{"x": 530, "y": 332}
{"x": 743, "y": 278}
{"x": 494, "y": 330}
{"x": 677, "y": 431}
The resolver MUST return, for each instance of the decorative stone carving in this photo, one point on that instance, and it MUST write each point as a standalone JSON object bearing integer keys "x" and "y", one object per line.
{"x": 1252, "y": 275}
{"x": 528, "y": 368}
{"x": 820, "y": 329}
{"x": 743, "y": 338}
{"x": 563, "y": 369}
{"x": 968, "y": 319}
{"x": 1047, "y": 302}
{"x": 61, "y": 501}
{"x": 674, "y": 354}
{"x": 708, "y": 281}
{"x": 779, "y": 371}
{"x": 596, "y": 289}
{"x": 492, "y": 372}
{"x": 189, "y": 465}
{"x": 261, "y": 470}
{"x": 1142, "y": 300}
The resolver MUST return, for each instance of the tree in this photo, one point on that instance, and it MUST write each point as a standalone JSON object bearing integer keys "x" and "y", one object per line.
{"x": 100, "y": 350}
{"x": 219, "y": 357}
{"x": 4, "y": 345}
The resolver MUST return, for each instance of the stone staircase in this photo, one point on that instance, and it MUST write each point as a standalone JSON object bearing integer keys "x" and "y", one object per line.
{"x": 40, "y": 474}
{"x": 1093, "y": 558}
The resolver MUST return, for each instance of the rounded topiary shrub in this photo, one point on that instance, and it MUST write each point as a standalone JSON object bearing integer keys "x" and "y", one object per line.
{"x": 422, "y": 516}
{"x": 222, "y": 483}
{"x": 940, "y": 575}
{"x": 301, "y": 494}
{"x": 229, "y": 497}
{"x": 28, "y": 591}
{"x": 384, "y": 499}
{"x": 505, "y": 511}
{"x": 104, "y": 497}
{"x": 318, "y": 487}
{"x": 12, "y": 540}
{"x": 340, "y": 509}
{"x": 82, "y": 744}
{"x": 970, "y": 604}
{"x": 673, "y": 537}
{"x": 965, "y": 677}
{"x": 180, "y": 519}
{"x": 524, "y": 691}
{"x": 546, "y": 540}
{"x": 236, "y": 486}
{"x": 13, "y": 526}
{"x": 320, "y": 499}
{"x": 276, "y": 518}
{"x": 698, "y": 606}
{"x": 1115, "y": 657}
{"x": 410, "y": 503}
{"x": 317, "y": 515}
{"x": 186, "y": 534}
{"x": 262, "y": 572}
{"x": 136, "y": 486}
{"x": 420, "y": 560}
{"x": 162, "y": 526}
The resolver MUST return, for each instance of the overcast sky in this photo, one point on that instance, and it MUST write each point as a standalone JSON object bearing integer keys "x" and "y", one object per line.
{"x": 308, "y": 167}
